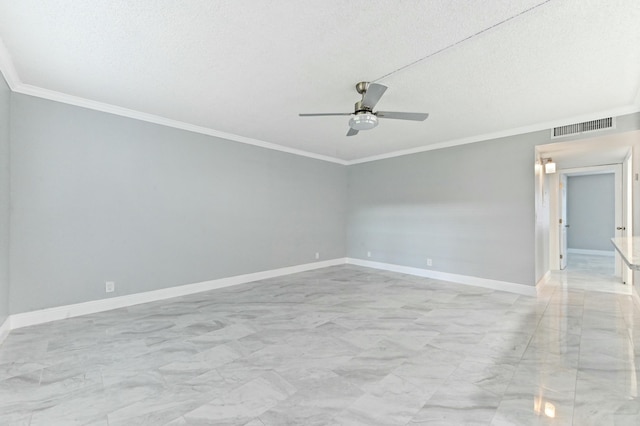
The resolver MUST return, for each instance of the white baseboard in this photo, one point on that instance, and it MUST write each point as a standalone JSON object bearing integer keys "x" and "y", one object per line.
{"x": 591, "y": 252}
{"x": 68, "y": 311}
{"x": 5, "y": 328}
{"x": 446, "y": 276}
{"x": 635, "y": 296}
{"x": 542, "y": 281}
{"x": 26, "y": 319}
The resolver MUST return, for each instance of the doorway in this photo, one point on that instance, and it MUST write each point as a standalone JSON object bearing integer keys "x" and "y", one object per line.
{"x": 591, "y": 210}
{"x": 614, "y": 154}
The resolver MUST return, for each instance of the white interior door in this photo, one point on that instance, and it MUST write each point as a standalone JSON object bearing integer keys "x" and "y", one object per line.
{"x": 563, "y": 225}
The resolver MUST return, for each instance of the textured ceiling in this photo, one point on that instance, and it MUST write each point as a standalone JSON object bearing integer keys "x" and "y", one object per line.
{"x": 244, "y": 69}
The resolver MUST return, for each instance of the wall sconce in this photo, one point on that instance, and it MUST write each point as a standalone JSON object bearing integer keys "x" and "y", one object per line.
{"x": 549, "y": 165}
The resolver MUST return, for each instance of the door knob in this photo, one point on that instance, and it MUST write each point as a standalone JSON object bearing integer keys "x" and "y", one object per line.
{"x": 621, "y": 228}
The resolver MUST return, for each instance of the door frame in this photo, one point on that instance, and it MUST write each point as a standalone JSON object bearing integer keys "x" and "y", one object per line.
{"x": 555, "y": 214}
{"x": 562, "y": 224}
{"x": 627, "y": 206}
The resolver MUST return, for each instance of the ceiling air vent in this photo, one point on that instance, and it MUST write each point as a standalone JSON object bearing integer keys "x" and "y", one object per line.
{"x": 587, "y": 126}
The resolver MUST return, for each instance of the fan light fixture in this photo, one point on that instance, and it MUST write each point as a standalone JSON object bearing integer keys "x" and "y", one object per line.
{"x": 549, "y": 165}
{"x": 363, "y": 117}
{"x": 364, "y": 121}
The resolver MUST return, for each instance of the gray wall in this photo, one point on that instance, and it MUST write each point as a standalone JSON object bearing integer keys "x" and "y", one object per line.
{"x": 591, "y": 212}
{"x": 5, "y": 98}
{"x": 100, "y": 197}
{"x": 469, "y": 208}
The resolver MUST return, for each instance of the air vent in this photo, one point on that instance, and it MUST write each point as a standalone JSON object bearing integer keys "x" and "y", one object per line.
{"x": 587, "y": 126}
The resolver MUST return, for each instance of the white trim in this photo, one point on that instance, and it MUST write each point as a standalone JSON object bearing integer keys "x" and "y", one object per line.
{"x": 10, "y": 74}
{"x": 616, "y": 169}
{"x": 552, "y": 185}
{"x": 446, "y": 276}
{"x": 26, "y": 319}
{"x": 6, "y": 67}
{"x": 615, "y": 112}
{"x": 542, "y": 282}
{"x": 592, "y": 170}
{"x": 27, "y": 89}
{"x": 8, "y": 70}
{"x": 5, "y": 328}
{"x": 611, "y": 253}
{"x": 635, "y": 296}
{"x": 61, "y": 312}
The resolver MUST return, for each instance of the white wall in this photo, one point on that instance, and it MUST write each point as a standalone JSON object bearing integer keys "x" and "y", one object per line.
{"x": 5, "y": 97}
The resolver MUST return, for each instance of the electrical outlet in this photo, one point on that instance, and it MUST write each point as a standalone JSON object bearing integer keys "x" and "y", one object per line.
{"x": 368, "y": 254}
{"x": 429, "y": 262}
{"x": 317, "y": 255}
{"x": 109, "y": 287}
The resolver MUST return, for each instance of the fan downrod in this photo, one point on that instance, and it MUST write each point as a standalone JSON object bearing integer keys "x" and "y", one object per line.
{"x": 360, "y": 108}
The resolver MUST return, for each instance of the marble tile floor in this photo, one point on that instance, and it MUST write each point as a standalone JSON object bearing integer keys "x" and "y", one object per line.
{"x": 344, "y": 345}
{"x": 592, "y": 273}
{"x": 592, "y": 264}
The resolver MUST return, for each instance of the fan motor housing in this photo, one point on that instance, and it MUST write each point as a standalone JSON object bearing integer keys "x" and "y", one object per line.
{"x": 359, "y": 108}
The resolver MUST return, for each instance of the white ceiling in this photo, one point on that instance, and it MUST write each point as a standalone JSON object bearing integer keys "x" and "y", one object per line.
{"x": 244, "y": 69}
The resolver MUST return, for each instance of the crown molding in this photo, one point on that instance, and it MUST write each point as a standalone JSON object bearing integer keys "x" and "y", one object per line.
{"x": 27, "y": 89}
{"x": 52, "y": 95}
{"x": 10, "y": 74}
{"x": 7, "y": 69}
{"x": 615, "y": 112}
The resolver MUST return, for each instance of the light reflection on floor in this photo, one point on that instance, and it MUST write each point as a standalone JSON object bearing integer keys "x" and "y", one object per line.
{"x": 344, "y": 345}
{"x": 591, "y": 338}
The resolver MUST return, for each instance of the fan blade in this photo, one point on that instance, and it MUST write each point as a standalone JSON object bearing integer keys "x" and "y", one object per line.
{"x": 321, "y": 114}
{"x": 352, "y": 132}
{"x": 414, "y": 116}
{"x": 373, "y": 94}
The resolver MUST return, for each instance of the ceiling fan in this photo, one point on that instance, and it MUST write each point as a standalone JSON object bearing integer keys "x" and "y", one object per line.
{"x": 363, "y": 117}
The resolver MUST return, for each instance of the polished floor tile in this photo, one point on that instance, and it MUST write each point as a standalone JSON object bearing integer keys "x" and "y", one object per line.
{"x": 344, "y": 345}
